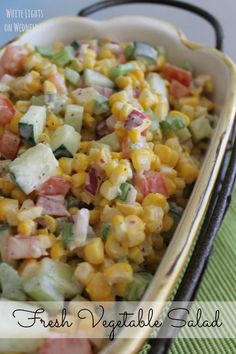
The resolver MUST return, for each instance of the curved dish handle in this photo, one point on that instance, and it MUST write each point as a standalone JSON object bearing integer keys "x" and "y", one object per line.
{"x": 218, "y": 31}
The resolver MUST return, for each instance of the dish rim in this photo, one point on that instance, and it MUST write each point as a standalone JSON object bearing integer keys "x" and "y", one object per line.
{"x": 166, "y": 288}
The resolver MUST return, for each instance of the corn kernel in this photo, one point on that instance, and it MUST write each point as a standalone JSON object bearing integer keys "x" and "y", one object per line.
{"x": 94, "y": 216}
{"x": 57, "y": 251}
{"x": 26, "y": 227}
{"x": 78, "y": 179}
{"x": 80, "y": 162}
{"x": 50, "y": 223}
{"x": 118, "y": 96}
{"x": 153, "y": 216}
{"x": 99, "y": 289}
{"x": 89, "y": 63}
{"x": 49, "y": 87}
{"x": 180, "y": 114}
{"x": 6, "y": 185}
{"x": 84, "y": 272}
{"x": 171, "y": 186}
{"x": 108, "y": 190}
{"x": 44, "y": 138}
{"x": 119, "y": 174}
{"x": 134, "y": 135}
{"x": 147, "y": 98}
{"x": 89, "y": 121}
{"x": 123, "y": 82}
{"x": 7, "y": 206}
{"x": 53, "y": 121}
{"x": 189, "y": 101}
{"x": 156, "y": 199}
{"x": 17, "y": 193}
{"x": 142, "y": 159}
{"x": 14, "y": 123}
{"x": 94, "y": 251}
{"x": 73, "y": 210}
{"x": 125, "y": 111}
{"x": 114, "y": 249}
{"x": 156, "y": 163}
{"x": 30, "y": 214}
{"x": 120, "y": 289}
{"x": 119, "y": 228}
{"x": 105, "y": 53}
{"x": 168, "y": 222}
{"x": 135, "y": 255}
{"x": 119, "y": 273}
{"x": 128, "y": 209}
{"x": 189, "y": 172}
{"x": 135, "y": 230}
{"x": 66, "y": 164}
{"x": 116, "y": 108}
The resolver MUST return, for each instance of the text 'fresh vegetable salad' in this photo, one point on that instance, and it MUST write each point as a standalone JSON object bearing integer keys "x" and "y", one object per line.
{"x": 100, "y": 145}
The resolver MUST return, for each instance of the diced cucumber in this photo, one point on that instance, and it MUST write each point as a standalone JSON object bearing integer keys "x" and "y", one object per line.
{"x": 138, "y": 286}
{"x": 112, "y": 140}
{"x": 83, "y": 96}
{"x": 157, "y": 84}
{"x": 101, "y": 105}
{"x": 121, "y": 70}
{"x": 52, "y": 281}
{"x": 45, "y": 52}
{"x": 141, "y": 51}
{"x": 65, "y": 141}
{"x": 32, "y": 123}
{"x": 106, "y": 228}
{"x": 183, "y": 134}
{"x": 55, "y": 103}
{"x": 201, "y": 129}
{"x": 33, "y": 167}
{"x": 11, "y": 285}
{"x": 92, "y": 77}
{"x": 67, "y": 234}
{"x": 74, "y": 116}
{"x": 64, "y": 56}
{"x": 144, "y": 52}
{"x": 72, "y": 76}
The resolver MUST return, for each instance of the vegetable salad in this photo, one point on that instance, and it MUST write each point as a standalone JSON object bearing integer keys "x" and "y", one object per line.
{"x": 100, "y": 145}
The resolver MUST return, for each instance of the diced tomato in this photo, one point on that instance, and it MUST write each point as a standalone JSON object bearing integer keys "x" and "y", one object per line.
{"x": 66, "y": 345}
{"x": 151, "y": 182}
{"x": 59, "y": 82}
{"x": 172, "y": 72}
{"x": 134, "y": 119}
{"x": 21, "y": 247}
{"x": 121, "y": 58}
{"x": 53, "y": 205}
{"x": 141, "y": 184}
{"x": 13, "y": 59}
{"x": 54, "y": 186}
{"x": 9, "y": 145}
{"x": 7, "y": 110}
{"x": 94, "y": 182}
{"x": 177, "y": 90}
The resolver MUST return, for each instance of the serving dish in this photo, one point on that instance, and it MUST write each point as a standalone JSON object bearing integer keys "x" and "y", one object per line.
{"x": 206, "y": 61}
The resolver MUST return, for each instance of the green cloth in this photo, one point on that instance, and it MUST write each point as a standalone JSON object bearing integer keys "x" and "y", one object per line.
{"x": 219, "y": 284}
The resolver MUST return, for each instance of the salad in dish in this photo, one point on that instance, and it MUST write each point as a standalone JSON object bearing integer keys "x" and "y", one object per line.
{"x": 100, "y": 145}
